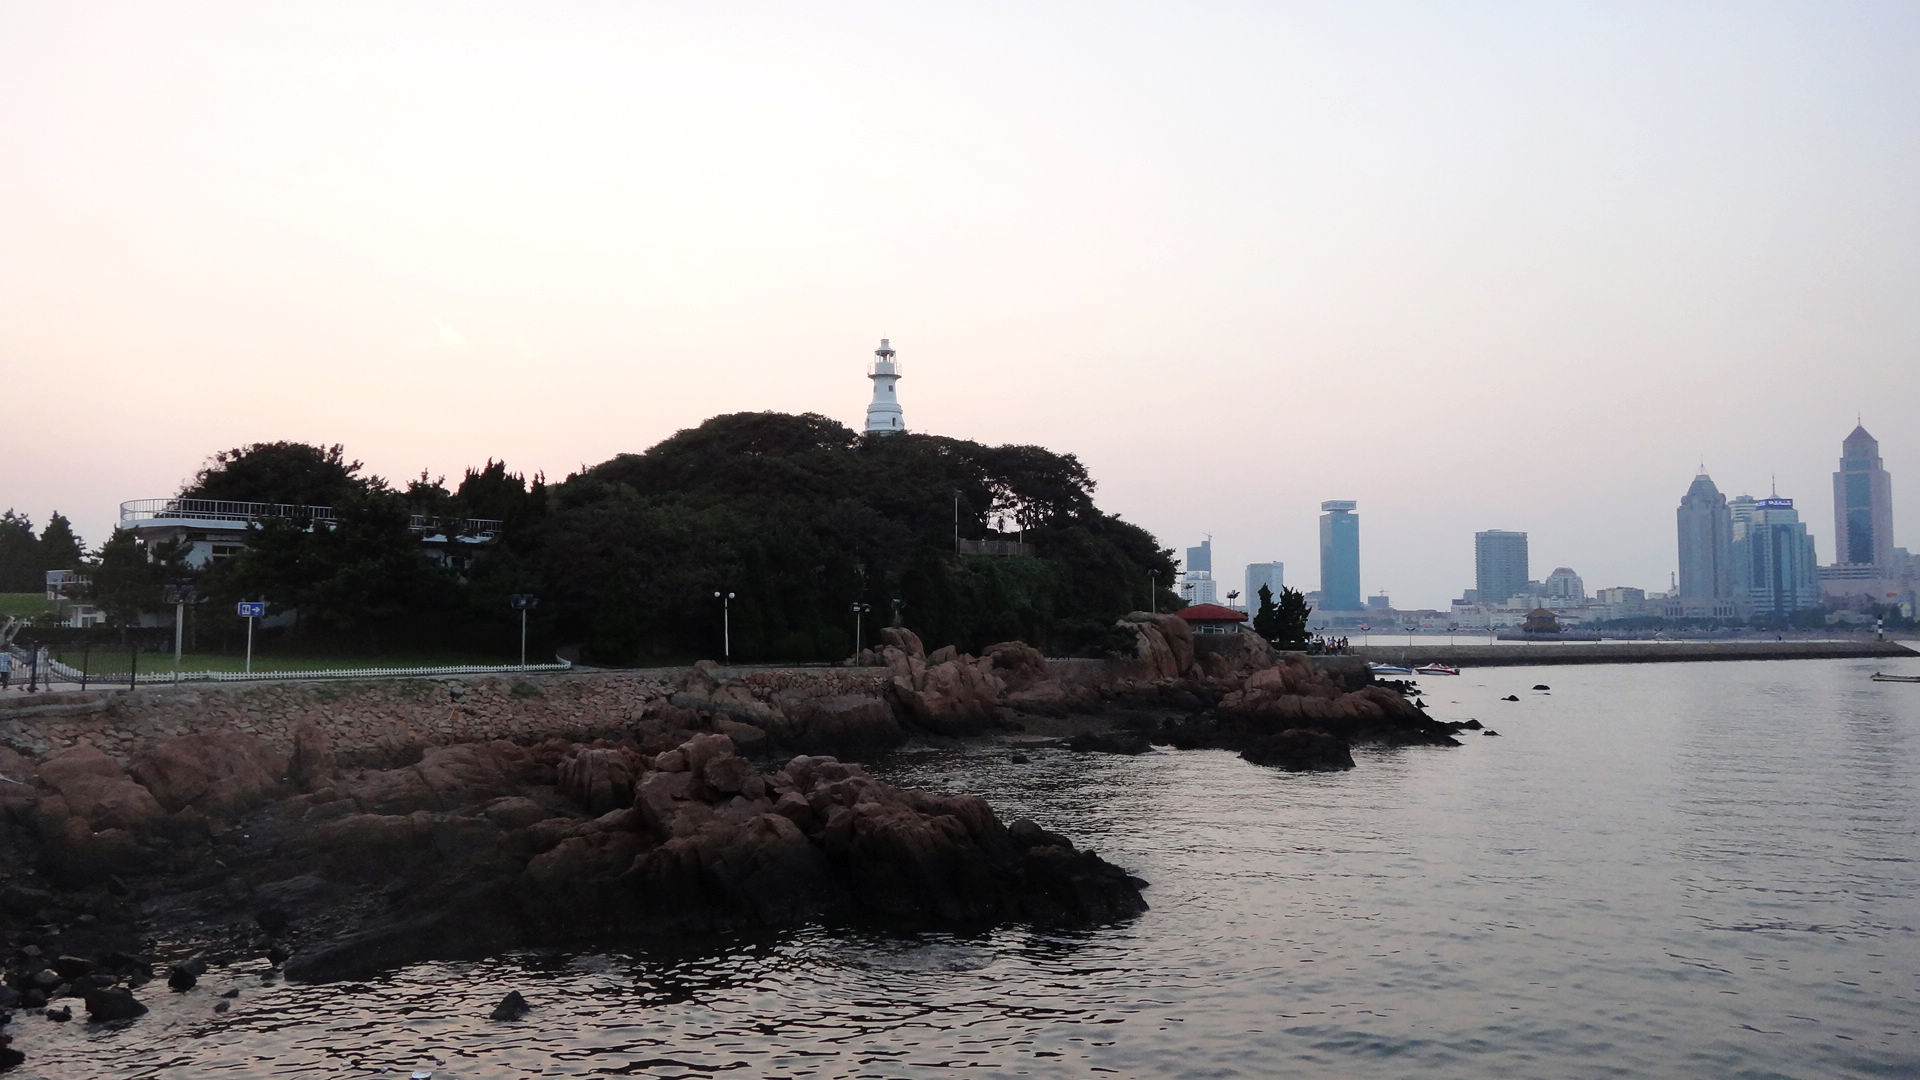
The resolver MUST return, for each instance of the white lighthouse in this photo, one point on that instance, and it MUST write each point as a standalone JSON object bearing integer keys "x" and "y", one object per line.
{"x": 883, "y": 413}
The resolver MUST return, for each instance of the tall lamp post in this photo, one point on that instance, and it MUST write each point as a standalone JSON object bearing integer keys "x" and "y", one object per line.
{"x": 1153, "y": 592}
{"x": 859, "y": 609}
{"x": 523, "y": 603}
{"x": 726, "y": 626}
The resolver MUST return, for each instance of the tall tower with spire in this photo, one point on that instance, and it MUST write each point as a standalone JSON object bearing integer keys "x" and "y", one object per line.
{"x": 1862, "y": 504}
{"x": 883, "y": 412}
{"x": 1706, "y": 549}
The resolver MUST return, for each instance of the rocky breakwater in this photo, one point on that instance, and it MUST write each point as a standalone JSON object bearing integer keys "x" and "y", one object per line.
{"x": 1236, "y": 693}
{"x": 473, "y": 847}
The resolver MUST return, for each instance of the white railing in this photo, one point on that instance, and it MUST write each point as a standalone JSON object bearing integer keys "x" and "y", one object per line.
{"x": 108, "y": 680}
{"x": 134, "y": 510}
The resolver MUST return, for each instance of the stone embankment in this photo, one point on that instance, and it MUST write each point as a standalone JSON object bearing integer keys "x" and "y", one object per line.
{"x": 1516, "y": 654}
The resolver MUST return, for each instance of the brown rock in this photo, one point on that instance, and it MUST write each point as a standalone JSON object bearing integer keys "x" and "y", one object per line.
{"x": 219, "y": 773}
{"x": 905, "y": 640}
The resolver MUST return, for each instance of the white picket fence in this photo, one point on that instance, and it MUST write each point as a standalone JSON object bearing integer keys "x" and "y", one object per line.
{"x": 109, "y": 680}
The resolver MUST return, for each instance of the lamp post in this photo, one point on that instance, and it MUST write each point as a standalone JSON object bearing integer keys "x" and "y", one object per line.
{"x": 522, "y": 603}
{"x": 726, "y": 626}
{"x": 897, "y": 605}
{"x": 859, "y": 609}
{"x": 1153, "y": 592}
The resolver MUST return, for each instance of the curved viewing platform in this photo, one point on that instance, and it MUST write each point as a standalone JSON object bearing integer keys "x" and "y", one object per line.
{"x": 224, "y": 514}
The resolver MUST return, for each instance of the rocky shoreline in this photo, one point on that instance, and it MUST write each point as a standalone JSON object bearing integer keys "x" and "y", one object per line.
{"x": 703, "y": 810}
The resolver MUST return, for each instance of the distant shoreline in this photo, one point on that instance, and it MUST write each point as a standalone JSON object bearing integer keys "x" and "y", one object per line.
{"x": 1524, "y": 654}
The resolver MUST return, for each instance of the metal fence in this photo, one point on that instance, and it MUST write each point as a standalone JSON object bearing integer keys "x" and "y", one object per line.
{"x": 210, "y": 510}
{"x": 52, "y": 669}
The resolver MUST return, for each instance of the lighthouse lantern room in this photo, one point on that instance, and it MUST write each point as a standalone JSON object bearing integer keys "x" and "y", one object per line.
{"x": 883, "y": 413}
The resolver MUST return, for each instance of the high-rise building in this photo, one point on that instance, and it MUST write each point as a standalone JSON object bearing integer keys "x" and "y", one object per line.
{"x": 1706, "y": 525}
{"x": 1863, "y": 505}
{"x": 1499, "y": 565}
{"x": 1339, "y": 556}
{"x": 1565, "y": 585}
{"x": 1198, "y": 587}
{"x": 1271, "y": 574}
{"x": 1774, "y": 561}
{"x": 1201, "y": 558}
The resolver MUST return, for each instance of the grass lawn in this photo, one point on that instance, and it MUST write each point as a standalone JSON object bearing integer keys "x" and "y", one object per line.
{"x": 116, "y": 661}
{"x": 23, "y": 605}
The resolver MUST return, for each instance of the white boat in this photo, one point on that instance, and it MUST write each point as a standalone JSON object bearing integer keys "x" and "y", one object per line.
{"x": 1879, "y": 676}
{"x": 1389, "y": 669}
{"x": 1436, "y": 669}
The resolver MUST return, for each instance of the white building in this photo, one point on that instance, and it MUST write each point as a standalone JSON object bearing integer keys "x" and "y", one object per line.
{"x": 1271, "y": 574}
{"x": 883, "y": 412}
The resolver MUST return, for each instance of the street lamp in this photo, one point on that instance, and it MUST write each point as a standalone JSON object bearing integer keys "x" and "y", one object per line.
{"x": 897, "y": 605}
{"x": 858, "y": 610}
{"x": 522, "y": 603}
{"x": 726, "y": 626}
{"x": 1153, "y": 592}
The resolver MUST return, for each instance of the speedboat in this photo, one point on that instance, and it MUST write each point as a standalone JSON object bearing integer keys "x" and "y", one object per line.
{"x": 1879, "y": 676}
{"x": 1389, "y": 669}
{"x": 1436, "y": 669}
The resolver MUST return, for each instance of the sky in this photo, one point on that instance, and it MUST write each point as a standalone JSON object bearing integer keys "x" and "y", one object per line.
{"x": 1520, "y": 266}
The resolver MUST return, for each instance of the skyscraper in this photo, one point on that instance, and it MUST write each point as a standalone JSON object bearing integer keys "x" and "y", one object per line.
{"x": 1706, "y": 526}
{"x": 1499, "y": 565}
{"x": 1201, "y": 558}
{"x": 1863, "y": 505}
{"x": 1270, "y": 574}
{"x": 1774, "y": 560}
{"x": 1339, "y": 556}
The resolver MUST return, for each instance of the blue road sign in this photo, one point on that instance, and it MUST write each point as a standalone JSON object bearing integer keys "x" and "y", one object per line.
{"x": 251, "y": 611}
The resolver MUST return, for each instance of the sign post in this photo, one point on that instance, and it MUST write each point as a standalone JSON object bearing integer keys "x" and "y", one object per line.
{"x": 523, "y": 602}
{"x": 250, "y": 610}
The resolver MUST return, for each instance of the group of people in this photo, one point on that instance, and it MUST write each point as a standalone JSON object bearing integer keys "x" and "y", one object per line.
{"x": 1325, "y": 646}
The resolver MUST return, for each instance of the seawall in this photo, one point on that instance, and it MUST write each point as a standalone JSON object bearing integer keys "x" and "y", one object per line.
{"x": 1517, "y": 654}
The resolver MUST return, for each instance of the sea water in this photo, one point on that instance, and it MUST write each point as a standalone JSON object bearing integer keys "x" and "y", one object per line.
{"x": 1660, "y": 870}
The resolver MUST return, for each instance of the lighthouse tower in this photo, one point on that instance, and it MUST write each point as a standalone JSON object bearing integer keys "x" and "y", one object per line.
{"x": 883, "y": 413}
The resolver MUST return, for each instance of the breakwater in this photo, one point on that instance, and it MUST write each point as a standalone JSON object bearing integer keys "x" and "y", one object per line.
{"x": 1627, "y": 652}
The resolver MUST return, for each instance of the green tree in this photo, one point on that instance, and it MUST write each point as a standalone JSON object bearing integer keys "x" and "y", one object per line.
{"x": 19, "y": 554}
{"x": 60, "y": 549}
{"x": 1290, "y": 618}
{"x": 292, "y": 473}
{"x": 1266, "y": 617}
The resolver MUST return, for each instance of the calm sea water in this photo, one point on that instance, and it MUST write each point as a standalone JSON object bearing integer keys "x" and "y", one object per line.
{"x": 1678, "y": 870}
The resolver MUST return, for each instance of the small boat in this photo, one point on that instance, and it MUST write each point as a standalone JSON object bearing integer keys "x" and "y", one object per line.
{"x": 1389, "y": 669}
{"x": 1436, "y": 669}
{"x": 1879, "y": 676}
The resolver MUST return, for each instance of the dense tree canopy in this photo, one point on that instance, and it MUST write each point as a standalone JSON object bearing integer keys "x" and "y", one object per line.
{"x": 25, "y": 558}
{"x": 799, "y": 517}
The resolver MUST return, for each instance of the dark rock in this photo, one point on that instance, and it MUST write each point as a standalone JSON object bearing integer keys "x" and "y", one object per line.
{"x": 1298, "y": 750}
{"x": 73, "y": 967}
{"x": 1131, "y": 743}
{"x": 1471, "y": 725}
{"x": 1490, "y": 731}
{"x": 222, "y": 1006}
{"x": 276, "y": 955}
{"x": 1018, "y": 759}
{"x": 233, "y": 993}
{"x": 60, "y": 1015}
{"x": 1511, "y": 697}
{"x": 183, "y": 975}
{"x": 9, "y": 1057}
{"x": 1541, "y": 686}
{"x": 511, "y": 1007}
{"x": 46, "y": 979}
{"x": 113, "y": 1004}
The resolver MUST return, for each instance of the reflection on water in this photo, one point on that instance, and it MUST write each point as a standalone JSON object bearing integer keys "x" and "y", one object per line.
{"x": 1656, "y": 870}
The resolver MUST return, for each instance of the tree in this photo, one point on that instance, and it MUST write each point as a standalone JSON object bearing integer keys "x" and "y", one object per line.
{"x": 280, "y": 472}
{"x": 19, "y": 554}
{"x": 1266, "y": 617}
{"x": 60, "y": 549}
{"x": 1291, "y": 618}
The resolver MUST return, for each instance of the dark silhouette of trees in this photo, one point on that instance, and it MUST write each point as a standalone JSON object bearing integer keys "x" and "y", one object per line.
{"x": 280, "y": 472}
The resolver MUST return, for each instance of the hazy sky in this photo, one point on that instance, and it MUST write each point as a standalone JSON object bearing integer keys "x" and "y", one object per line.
{"x": 1517, "y": 266}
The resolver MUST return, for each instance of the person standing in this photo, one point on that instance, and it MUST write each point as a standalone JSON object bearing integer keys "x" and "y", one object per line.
{"x": 6, "y": 667}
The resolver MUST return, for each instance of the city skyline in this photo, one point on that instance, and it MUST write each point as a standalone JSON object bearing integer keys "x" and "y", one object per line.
{"x": 1449, "y": 263}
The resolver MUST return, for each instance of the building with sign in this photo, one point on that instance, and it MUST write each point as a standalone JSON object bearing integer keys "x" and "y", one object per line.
{"x": 1773, "y": 561}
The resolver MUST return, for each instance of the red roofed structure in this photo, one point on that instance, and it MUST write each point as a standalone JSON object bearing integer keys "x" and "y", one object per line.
{"x": 1212, "y": 618}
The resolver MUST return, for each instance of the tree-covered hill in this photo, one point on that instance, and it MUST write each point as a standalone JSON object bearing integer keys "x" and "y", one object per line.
{"x": 799, "y": 517}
